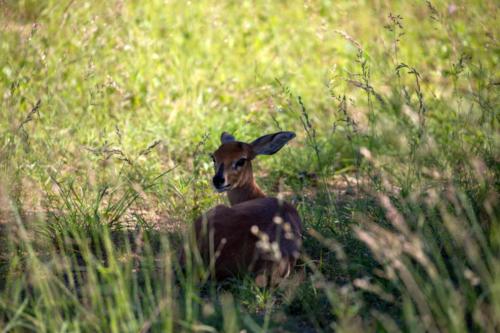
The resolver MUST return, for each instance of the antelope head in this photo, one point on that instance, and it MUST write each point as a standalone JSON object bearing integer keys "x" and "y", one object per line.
{"x": 233, "y": 161}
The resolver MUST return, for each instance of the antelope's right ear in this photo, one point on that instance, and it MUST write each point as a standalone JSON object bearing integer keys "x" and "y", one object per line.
{"x": 271, "y": 143}
{"x": 226, "y": 137}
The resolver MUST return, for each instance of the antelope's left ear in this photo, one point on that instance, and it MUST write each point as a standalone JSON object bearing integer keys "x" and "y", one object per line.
{"x": 271, "y": 143}
{"x": 226, "y": 137}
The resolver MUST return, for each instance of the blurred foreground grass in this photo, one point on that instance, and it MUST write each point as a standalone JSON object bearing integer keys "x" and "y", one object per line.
{"x": 109, "y": 109}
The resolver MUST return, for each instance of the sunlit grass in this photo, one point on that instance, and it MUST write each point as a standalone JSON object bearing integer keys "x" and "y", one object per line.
{"x": 108, "y": 111}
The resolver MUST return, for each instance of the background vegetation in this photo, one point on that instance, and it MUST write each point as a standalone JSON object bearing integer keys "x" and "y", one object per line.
{"x": 108, "y": 110}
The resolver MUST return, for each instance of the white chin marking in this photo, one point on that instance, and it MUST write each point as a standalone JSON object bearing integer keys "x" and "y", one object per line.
{"x": 223, "y": 189}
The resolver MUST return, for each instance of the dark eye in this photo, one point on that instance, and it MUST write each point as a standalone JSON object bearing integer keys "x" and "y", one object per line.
{"x": 240, "y": 163}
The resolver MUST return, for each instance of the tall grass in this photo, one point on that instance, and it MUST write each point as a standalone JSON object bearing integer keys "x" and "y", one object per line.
{"x": 108, "y": 111}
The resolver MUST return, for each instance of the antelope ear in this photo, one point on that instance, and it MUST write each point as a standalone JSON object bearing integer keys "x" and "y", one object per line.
{"x": 226, "y": 137}
{"x": 271, "y": 143}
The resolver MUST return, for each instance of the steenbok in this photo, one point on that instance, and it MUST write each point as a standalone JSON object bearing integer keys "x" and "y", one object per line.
{"x": 256, "y": 234}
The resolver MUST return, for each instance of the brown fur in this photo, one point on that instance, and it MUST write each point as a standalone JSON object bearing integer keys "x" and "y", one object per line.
{"x": 240, "y": 235}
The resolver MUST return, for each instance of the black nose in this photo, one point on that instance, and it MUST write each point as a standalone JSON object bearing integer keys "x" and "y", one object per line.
{"x": 218, "y": 181}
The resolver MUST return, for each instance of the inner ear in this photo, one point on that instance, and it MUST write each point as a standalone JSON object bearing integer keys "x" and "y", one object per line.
{"x": 226, "y": 137}
{"x": 271, "y": 143}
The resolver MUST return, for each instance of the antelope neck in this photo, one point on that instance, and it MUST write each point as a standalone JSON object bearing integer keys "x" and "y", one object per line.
{"x": 248, "y": 191}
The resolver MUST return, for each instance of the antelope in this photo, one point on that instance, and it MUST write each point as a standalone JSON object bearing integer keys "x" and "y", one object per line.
{"x": 256, "y": 233}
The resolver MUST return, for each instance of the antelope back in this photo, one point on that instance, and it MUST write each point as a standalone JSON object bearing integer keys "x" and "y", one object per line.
{"x": 262, "y": 236}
